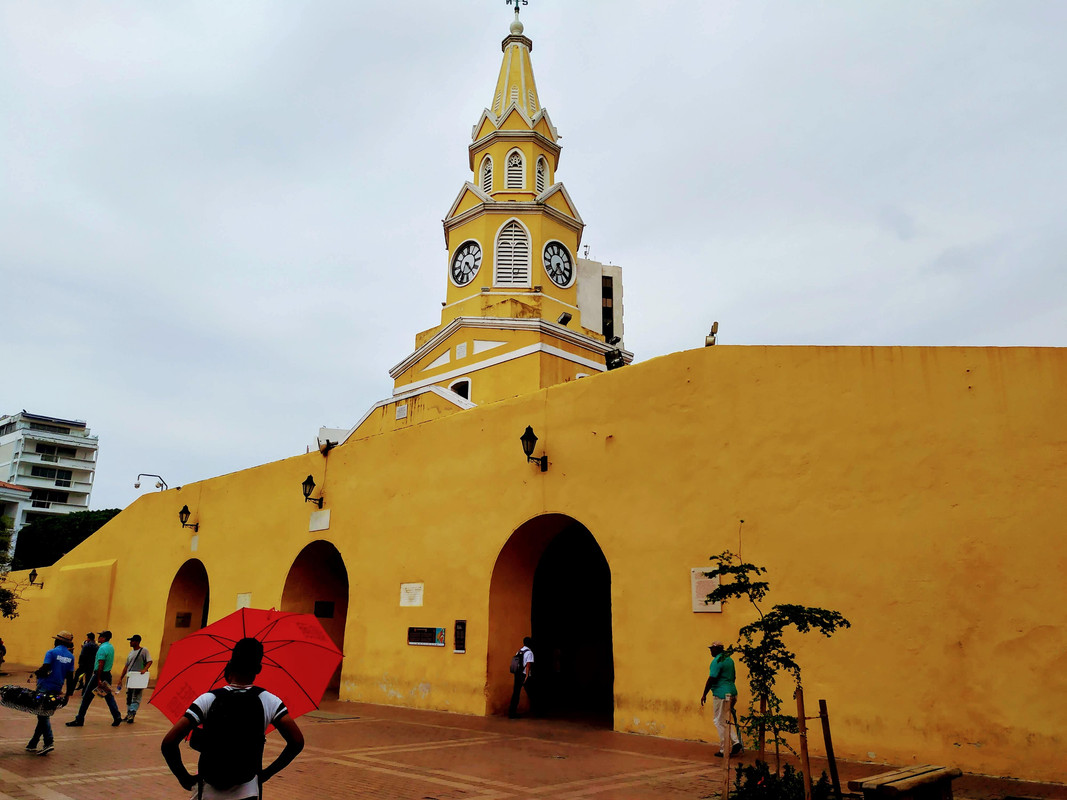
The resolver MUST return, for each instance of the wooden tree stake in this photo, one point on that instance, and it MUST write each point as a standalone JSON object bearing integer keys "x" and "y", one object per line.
{"x": 825, "y": 716}
{"x": 803, "y": 726}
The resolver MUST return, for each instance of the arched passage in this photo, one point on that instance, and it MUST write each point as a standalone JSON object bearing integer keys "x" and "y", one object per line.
{"x": 187, "y": 605}
{"x": 317, "y": 584}
{"x": 551, "y": 581}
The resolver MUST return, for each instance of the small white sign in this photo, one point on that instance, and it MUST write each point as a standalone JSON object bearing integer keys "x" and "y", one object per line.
{"x": 701, "y": 587}
{"x": 411, "y": 594}
{"x": 194, "y": 542}
{"x": 244, "y": 600}
{"x": 320, "y": 520}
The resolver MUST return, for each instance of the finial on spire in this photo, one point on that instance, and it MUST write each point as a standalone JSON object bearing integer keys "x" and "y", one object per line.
{"x": 516, "y": 25}
{"x": 516, "y": 3}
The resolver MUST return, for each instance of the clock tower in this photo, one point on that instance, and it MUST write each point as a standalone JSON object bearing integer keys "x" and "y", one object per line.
{"x": 521, "y": 310}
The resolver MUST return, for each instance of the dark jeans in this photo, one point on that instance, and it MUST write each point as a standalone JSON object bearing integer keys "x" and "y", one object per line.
{"x": 520, "y": 684}
{"x": 87, "y": 698}
{"x": 81, "y": 677}
{"x": 43, "y": 730}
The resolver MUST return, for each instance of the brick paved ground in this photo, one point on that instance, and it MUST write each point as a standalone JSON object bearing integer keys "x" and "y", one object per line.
{"x": 356, "y": 750}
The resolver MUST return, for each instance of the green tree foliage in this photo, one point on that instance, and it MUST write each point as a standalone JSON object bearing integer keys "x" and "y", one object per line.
{"x": 43, "y": 542}
{"x": 761, "y": 643}
{"x": 756, "y": 782}
{"x": 9, "y": 600}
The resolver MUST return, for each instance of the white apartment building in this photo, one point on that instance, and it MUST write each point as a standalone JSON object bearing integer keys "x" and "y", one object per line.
{"x": 55, "y": 459}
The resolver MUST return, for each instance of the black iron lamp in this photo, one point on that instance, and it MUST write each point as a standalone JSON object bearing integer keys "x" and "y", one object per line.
{"x": 33, "y": 579}
{"x": 183, "y": 517}
{"x": 613, "y": 358}
{"x": 308, "y": 486}
{"x": 529, "y": 439}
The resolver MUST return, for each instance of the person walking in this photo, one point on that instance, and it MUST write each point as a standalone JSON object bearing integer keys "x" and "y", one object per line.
{"x": 57, "y": 669}
{"x": 137, "y": 663}
{"x": 721, "y": 676}
{"x": 3, "y": 655}
{"x": 86, "y": 662}
{"x": 105, "y": 660}
{"x": 522, "y": 668}
{"x": 233, "y": 721}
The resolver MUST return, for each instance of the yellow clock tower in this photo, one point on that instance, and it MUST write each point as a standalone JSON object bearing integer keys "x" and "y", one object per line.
{"x": 522, "y": 311}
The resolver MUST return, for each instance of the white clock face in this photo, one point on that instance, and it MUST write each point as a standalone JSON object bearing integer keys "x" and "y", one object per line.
{"x": 465, "y": 263}
{"x": 558, "y": 264}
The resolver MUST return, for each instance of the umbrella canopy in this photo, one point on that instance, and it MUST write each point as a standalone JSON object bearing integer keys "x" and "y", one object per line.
{"x": 299, "y": 659}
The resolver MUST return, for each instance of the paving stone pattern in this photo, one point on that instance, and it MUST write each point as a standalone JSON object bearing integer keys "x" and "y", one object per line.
{"x": 356, "y": 750}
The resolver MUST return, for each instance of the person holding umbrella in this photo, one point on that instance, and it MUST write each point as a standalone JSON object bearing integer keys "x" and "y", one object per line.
{"x": 233, "y": 721}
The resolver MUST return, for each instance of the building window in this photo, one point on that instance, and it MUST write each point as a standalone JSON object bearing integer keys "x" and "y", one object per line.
{"x": 542, "y": 175}
{"x": 512, "y": 257}
{"x": 607, "y": 307}
{"x": 487, "y": 174}
{"x": 515, "y": 169}
{"x": 6, "y": 429}
{"x": 43, "y": 498}
{"x": 40, "y": 426}
{"x": 462, "y": 387}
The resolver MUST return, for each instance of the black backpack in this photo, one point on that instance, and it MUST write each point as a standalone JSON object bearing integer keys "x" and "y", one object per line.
{"x": 231, "y": 739}
{"x": 516, "y": 663}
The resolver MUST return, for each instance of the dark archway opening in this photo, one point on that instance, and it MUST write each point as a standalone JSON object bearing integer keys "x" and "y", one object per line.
{"x": 570, "y": 618}
{"x": 317, "y": 584}
{"x": 551, "y": 581}
{"x": 187, "y": 605}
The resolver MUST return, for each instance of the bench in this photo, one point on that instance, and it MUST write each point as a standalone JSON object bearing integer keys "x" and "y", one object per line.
{"x": 924, "y": 782}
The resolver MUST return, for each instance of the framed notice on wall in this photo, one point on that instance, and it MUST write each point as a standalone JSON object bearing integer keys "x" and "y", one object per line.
{"x": 411, "y": 594}
{"x": 426, "y": 637}
{"x": 701, "y": 586}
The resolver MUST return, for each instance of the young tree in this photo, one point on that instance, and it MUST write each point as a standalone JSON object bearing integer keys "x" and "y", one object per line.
{"x": 8, "y": 591}
{"x": 761, "y": 643}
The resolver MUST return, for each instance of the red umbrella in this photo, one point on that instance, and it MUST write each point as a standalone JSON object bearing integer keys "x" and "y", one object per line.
{"x": 298, "y": 660}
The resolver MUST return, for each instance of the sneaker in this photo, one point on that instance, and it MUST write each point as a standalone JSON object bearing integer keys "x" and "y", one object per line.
{"x": 32, "y": 747}
{"x": 48, "y": 748}
{"x": 75, "y": 723}
{"x": 719, "y": 754}
{"x": 116, "y": 722}
{"x": 736, "y": 749}
{"x": 129, "y": 719}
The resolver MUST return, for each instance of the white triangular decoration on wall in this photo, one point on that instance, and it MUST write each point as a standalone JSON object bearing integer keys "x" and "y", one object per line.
{"x": 481, "y": 345}
{"x": 440, "y": 361}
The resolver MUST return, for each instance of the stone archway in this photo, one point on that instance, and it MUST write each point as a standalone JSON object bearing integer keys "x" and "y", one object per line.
{"x": 187, "y": 605}
{"x": 317, "y": 584}
{"x": 551, "y": 581}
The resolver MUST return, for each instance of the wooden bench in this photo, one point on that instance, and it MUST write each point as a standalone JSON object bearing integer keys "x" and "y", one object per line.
{"x": 924, "y": 782}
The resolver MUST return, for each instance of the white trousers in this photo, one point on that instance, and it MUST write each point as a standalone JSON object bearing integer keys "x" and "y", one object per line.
{"x": 723, "y": 708}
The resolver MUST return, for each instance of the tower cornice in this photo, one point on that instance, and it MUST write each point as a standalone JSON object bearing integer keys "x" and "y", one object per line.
{"x": 514, "y": 208}
{"x": 537, "y": 137}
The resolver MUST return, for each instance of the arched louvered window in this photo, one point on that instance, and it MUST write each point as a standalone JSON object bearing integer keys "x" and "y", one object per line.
{"x": 487, "y": 174}
{"x": 542, "y": 175}
{"x": 514, "y": 176}
{"x": 532, "y": 101}
{"x": 512, "y": 258}
{"x": 496, "y": 102}
{"x": 515, "y": 95}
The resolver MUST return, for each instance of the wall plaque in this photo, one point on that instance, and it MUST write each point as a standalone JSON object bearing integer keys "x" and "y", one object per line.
{"x": 701, "y": 586}
{"x": 183, "y": 619}
{"x": 459, "y": 638}
{"x": 427, "y": 637}
{"x": 411, "y": 594}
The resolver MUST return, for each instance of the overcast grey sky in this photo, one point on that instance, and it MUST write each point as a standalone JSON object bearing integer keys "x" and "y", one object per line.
{"x": 220, "y": 223}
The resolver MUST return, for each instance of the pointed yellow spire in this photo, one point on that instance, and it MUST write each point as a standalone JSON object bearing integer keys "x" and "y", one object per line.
{"x": 516, "y": 82}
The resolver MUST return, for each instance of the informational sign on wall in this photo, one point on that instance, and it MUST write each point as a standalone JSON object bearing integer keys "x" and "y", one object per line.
{"x": 244, "y": 600}
{"x": 701, "y": 587}
{"x": 411, "y": 594}
{"x": 426, "y": 637}
{"x": 459, "y": 639}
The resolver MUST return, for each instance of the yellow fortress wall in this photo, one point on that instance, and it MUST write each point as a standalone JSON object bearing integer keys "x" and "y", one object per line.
{"x": 919, "y": 491}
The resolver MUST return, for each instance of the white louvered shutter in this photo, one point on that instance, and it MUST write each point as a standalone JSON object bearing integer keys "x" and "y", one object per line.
{"x": 512, "y": 266}
{"x": 541, "y": 175}
{"x": 514, "y": 173}
{"x": 515, "y": 95}
{"x": 532, "y": 102}
{"x": 487, "y": 175}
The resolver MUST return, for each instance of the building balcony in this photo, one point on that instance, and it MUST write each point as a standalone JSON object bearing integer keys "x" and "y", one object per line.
{"x": 75, "y": 487}
{"x": 51, "y": 507}
{"x": 64, "y": 462}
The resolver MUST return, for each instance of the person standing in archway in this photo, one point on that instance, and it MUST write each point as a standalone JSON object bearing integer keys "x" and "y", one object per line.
{"x": 522, "y": 669}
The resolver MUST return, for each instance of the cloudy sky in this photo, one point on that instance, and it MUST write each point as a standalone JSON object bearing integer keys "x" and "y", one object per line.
{"x": 220, "y": 223}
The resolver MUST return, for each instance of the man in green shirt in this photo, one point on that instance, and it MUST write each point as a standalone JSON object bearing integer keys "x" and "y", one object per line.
{"x": 720, "y": 683}
{"x": 105, "y": 659}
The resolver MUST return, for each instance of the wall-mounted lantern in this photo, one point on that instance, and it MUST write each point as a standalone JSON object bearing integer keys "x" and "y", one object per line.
{"x": 529, "y": 440}
{"x": 183, "y": 517}
{"x": 308, "y": 486}
{"x": 33, "y": 579}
